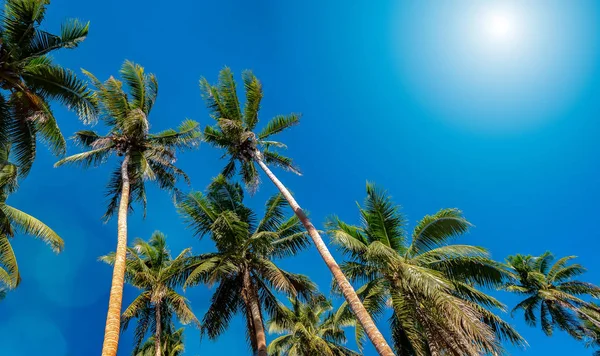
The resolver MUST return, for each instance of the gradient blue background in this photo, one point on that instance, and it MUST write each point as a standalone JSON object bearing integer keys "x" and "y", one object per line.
{"x": 393, "y": 92}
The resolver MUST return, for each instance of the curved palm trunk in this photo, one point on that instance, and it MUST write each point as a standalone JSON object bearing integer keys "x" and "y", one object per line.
{"x": 113, "y": 319}
{"x": 158, "y": 333}
{"x": 253, "y": 305}
{"x": 354, "y": 302}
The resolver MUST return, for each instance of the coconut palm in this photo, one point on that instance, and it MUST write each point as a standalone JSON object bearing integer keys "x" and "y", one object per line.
{"x": 429, "y": 283}
{"x": 172, "y": 344}
{"x": 29, "y": 80}
{"x": 243, "y": 265}
{"x": 151, "y": 269}
{"x": 308, "y": 329}
{"x": 552, "y": 293}
{"x": 13, "y": 220}
{"x": 143, "y": 156}
{"x": 246, "y": 149}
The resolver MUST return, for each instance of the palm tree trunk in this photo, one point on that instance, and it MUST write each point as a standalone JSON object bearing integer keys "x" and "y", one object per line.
{"x": 113, "y": 319}
{"x": 354, "y": 302}
{"x": 254, "y": 307}
{"x": 158, "y": 333}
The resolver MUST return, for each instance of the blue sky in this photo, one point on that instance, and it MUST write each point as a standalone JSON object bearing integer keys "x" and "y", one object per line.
{"x": 423, "y": 98}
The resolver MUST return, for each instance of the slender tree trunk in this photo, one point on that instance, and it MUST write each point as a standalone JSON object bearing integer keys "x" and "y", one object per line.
{"x": 354, "y": 302}
{"x": 254, "y": 307}
{"x": 158, "y": 333}
{"x": 113, "y": 319}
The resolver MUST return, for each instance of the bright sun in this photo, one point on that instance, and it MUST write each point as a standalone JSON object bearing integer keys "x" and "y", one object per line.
{"x": 501, "y": 26}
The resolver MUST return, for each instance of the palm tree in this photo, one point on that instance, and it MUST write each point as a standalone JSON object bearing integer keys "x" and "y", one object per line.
{"x": 29, "y": 80}
{"x": 151, "y": 269}
{"x": 590, "y": 317}
{"x": 13, "y": 220}
{"x": 553, "y": 294}
{"x": 145, "y": 157}
{"x": 243, "y": 265}
{"x": 234, "y": 132}
{"x": 308, "y": 330}
{"x": 172, "y": 344}
{"x": 429, "y": 283}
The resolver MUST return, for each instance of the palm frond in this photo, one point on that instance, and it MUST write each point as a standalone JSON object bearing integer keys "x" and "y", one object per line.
{"x": 8, "y": 263}
{"x": 383, "y": 221}
{"x": 278, "y": 124}
{"x": 437, "y": 229}
{"x": 32, "y": 226}
{"x": 274, "y": 158}
{"x": 61, "y": 84}
{"x": 254, "y": 95}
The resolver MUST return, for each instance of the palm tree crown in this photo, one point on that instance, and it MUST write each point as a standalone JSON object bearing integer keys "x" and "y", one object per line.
{"x": 308, "y": 329}
{"x": 243, "y": 265}
{"x": 429, "y": 283}
{"x": 151, "y": 269}
{"x": 13, "y": 220}
{"x": 234, "y": 130}
{"x": 151, "y": 156}
{"x": 172, "y": 344}
{"x": 553, "y": 294}
{"x": 29, "y": 79}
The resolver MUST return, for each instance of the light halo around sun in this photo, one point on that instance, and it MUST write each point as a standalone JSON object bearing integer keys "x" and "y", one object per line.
{"x": 494, "y": 66}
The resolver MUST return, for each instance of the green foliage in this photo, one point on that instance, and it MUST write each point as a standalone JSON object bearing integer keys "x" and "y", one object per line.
{"x": 12, "y": 221}
{"x": 151, "y": 269}
{"x": 430, "y": 284}
{"x": 245, "y": 246}
{"x": 308, "y": 329}
{"x": 552, "y": 295}
{"x": 30, "y": 80}
{"x": 151, "y": 156}
{"x": 234, "y": 130}
{"x": 172, "y": 344}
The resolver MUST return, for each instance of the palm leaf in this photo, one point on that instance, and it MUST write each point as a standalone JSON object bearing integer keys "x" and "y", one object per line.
{"x": 32, "y": 226}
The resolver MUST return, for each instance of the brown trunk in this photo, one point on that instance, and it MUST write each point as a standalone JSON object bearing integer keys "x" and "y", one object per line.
{"x": 253, "y": 305}
{"x": 158, "y": 334}
{"x": 113, "y": 319}
{"x": 354, "y": 302}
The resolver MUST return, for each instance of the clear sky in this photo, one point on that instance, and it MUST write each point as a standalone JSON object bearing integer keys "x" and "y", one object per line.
{"x": 487, "y": 106}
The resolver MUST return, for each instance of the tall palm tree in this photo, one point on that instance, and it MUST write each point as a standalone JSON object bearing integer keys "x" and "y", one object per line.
{"x": 243, "y": 265}
{"x": 144, "y": 156}
{"x": 234, "y": 132}
{"x": 29, "y": 80}
{"x": 151, "y": 269}
{"x": 309, "y": 329}
{"x": 13, "y": 220}
{"x": 172, "y": 343}
{"x": 552, "y": 293}
{"x": 430, "y": 284}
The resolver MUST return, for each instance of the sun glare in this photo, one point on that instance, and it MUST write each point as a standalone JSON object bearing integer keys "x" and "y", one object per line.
{"x": 500, "y": 26}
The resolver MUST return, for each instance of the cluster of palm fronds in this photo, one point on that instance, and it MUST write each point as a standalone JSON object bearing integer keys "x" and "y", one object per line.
{"x": 435, "y": 293}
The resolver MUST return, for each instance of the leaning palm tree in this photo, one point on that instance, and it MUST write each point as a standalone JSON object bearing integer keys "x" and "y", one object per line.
{"x": 243, "y": 265}
{"x": 172, "y": 344}
{"x": 308, "y": 329}
{"x": 235, "y": 133}
{"x": 151, "y": 269}
{"x": 13, "y": 220}
{"x": 29, "y": 80}
{"x": 430, "y": 284}
{"x": 552, "y": 293}
{"x": 144, "y": 156}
